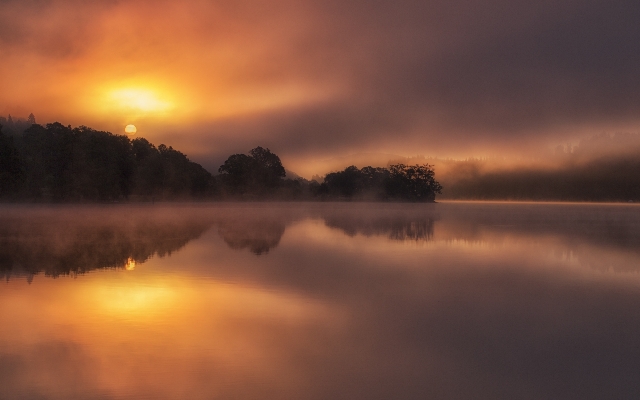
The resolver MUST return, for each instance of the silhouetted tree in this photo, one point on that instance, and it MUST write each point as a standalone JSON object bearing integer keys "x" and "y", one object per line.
{"x": 11, "y": 173}
{"x": 345, "y": 183}
{"x": 412, "y": 182}
{"x": 237, "y": 172}
{"x": 181, "y": 176}
{"x": 149, "y": 176}
{"x": 61, "y": 163}
{"x": 39, "y": 152}
{"x": 258, "y": 173}
{"x": 106, "y": 162}
{"x": 268, "y": 164}
{"x": 399, "y": 182}
{"x": 164, "y": 172}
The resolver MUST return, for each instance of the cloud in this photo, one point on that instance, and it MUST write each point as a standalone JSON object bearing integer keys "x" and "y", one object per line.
{"x": 316, "y": 78}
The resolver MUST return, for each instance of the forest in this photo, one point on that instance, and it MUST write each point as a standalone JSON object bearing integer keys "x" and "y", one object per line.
{"x": 57, "y": 163}
{"x": 63, "y": 164}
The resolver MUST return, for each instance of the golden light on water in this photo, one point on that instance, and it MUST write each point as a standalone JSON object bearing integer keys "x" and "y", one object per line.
{"x": 211, "y": 320}
{"x": 131, "y": 263}
{"x": 137, "y": 302}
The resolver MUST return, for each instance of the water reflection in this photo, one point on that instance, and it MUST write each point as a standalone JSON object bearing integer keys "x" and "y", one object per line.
{"x": 64, "y": 241}
{"x": 394, "y": 228}
{"x": 447, "y": 301}
{"x": 259, "y": 235}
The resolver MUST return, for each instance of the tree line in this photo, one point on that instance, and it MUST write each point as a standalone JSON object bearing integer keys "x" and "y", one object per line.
{"x": 60, "y": 163}
{"x": 16, "y": 126}
{"x": 63, "y": 164}
{"x": 398, "y": 182}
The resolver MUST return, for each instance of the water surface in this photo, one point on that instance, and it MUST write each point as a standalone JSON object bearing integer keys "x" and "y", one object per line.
{"x": 317, "y": 301}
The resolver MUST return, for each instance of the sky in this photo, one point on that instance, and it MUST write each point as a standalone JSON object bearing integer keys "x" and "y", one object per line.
{"x": 320, "y": 80}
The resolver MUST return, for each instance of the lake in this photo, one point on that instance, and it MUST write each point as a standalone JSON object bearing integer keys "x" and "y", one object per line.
{"x": 452, "y": 300}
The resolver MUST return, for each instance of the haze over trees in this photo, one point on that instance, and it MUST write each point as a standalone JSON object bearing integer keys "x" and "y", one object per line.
{"x": 260, "y": 174}
{"x": 16, "y": 126}
{"x": 602, "y": 167}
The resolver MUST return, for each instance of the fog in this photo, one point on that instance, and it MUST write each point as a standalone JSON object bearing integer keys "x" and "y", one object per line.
{"x": 76, "y": 239}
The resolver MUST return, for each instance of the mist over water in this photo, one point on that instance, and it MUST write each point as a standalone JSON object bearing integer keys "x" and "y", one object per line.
{"x": 320, "y": 300}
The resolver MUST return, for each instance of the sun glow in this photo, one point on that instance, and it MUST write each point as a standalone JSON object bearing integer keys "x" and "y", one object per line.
{"x": 141, "y": 100}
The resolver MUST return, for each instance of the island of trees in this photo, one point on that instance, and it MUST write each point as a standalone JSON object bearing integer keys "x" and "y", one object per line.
{"x": 63, "y": 164}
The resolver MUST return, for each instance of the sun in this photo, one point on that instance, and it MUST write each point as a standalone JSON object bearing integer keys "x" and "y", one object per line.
{"x": 130, "y": 129}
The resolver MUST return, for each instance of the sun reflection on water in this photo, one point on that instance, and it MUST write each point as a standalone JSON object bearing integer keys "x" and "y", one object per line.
{"x": 134, "y": 300}
{"x": 130, "y": 265}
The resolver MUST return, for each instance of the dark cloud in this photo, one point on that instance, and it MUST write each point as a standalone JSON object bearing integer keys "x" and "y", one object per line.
{"x": 570, "y": 63}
